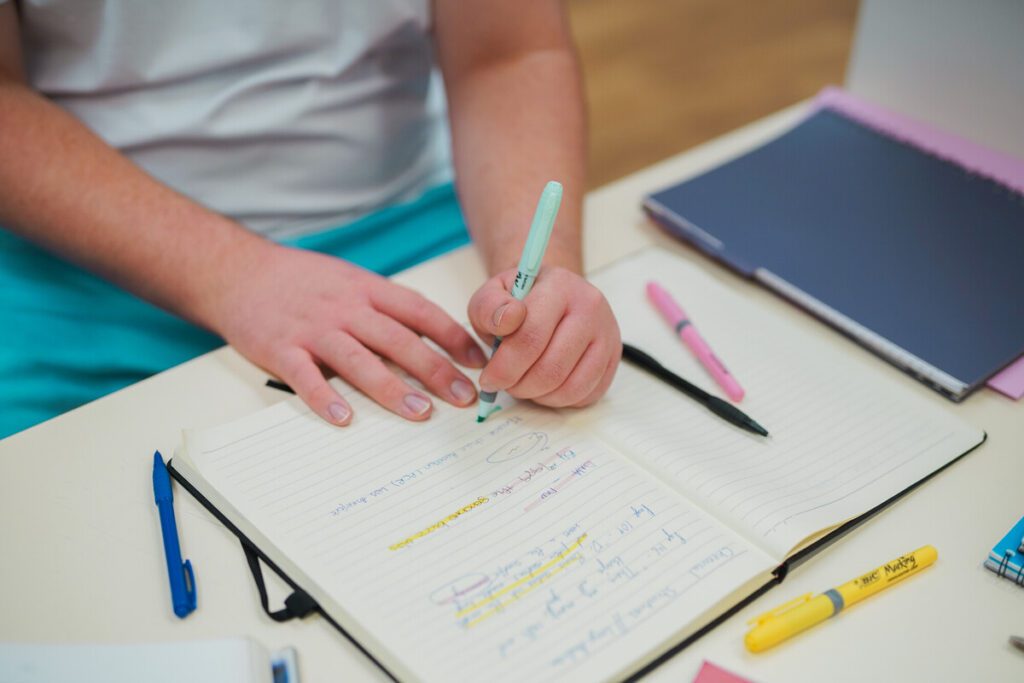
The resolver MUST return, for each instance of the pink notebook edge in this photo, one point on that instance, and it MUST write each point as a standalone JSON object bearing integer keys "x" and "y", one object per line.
{"x": 999, "y": 166}
{"x": 1010, "y": 380}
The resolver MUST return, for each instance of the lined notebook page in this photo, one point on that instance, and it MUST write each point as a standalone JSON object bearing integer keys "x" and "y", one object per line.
{"x": 510, "y": 550}
{"x": 845, "y": 434}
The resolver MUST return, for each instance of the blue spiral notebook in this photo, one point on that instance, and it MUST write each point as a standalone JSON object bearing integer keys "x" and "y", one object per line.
{"x": 1007, "y": 557}
{"x": 913, "y": 255}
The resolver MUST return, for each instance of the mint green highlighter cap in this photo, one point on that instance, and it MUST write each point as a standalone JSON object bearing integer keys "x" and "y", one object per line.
{"x": 537, "y": 241}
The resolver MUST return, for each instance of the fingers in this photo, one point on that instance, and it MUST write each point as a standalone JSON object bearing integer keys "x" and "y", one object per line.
{"x": 389, "y": 338}
{"x": 428, "y": 319}
{"x": 358, "y": 366}
{"x": 602, "y": 386}
{"x": 566, "y": 350}
{"x": 494, "y": 312}
{"x": 565, "y": 355}
{"x": 588, "y": 381}
{"x": 562, "y": 352}
{"x": 301, "y": 373}
{"x": 579, "y": 383}
{"x": 523, "y": 347}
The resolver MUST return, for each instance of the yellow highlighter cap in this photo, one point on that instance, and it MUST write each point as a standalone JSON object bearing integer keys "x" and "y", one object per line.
{"x": 761, "y": 637}
{"x": 785, "y": 621}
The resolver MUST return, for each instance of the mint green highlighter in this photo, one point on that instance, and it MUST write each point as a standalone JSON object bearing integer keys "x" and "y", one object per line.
{"x": 529, "y": 266}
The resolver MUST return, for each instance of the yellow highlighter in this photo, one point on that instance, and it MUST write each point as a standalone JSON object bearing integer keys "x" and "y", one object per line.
{"x": 785, "y": 621}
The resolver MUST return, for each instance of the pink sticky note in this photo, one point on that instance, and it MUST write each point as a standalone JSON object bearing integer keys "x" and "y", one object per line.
{"x": 709, "y": 673}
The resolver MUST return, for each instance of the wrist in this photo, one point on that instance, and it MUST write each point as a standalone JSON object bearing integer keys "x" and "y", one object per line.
{"x": 231, "y": 260}
{"x": 561, "y": 257}
{"x": 568, "y": 256}
{"x": 563, "y": 253}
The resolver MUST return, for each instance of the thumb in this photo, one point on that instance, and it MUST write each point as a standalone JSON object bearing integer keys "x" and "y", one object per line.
{"x": 494, "y": 312}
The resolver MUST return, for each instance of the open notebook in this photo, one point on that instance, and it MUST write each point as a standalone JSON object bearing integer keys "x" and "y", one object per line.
{"x": 545, "y": 543}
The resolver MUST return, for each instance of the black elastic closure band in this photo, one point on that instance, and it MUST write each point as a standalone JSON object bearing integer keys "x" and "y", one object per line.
{"x": 296, "y": 605}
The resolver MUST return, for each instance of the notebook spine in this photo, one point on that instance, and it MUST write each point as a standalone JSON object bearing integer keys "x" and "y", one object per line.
{"x": 678, "y": 226}
{"x": 899, "y": 137}
{"x": 877, "y": 344}
{"x": 1008, "y": 571}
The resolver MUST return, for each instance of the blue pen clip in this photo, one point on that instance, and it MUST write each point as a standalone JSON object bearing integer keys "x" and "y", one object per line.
{"x": 190, "y": 590}
{"x": 180, "y": 574}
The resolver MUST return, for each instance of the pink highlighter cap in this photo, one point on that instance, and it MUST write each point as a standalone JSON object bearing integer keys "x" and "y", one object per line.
{"x": 673, "y": 313}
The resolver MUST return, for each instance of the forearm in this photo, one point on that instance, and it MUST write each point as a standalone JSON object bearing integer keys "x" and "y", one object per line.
{"x": 517, "y": 123}
{"x": 64, "y": 188}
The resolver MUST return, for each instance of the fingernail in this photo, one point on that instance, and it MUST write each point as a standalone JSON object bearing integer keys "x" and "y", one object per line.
{"x": 476, "y": 357}
{"x": 416, "y": 404}
{"x": 463, "y": 391}
{"x": 339, "y": 413}
{"x": 499, "y": 312}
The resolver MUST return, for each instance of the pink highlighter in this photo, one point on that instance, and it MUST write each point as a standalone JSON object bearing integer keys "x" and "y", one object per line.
{"x": 678, "y": 319}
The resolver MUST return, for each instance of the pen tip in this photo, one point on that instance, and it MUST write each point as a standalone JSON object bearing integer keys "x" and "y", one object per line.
{"x": 480, "y": 418}
{"x": 758, "y": 428}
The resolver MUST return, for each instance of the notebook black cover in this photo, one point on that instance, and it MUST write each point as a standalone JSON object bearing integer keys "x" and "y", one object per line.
{"x": 916, "y": 249}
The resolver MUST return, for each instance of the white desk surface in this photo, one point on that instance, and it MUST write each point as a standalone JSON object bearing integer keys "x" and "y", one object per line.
{"x": 81, "y": 558}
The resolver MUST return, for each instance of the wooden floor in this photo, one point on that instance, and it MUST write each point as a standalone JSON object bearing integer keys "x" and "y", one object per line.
{"x": 665, "y": 75}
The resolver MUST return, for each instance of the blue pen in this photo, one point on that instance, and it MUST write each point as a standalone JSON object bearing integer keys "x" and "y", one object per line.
{"x": 183, "y": 581}
{"x": 529, "y": 266}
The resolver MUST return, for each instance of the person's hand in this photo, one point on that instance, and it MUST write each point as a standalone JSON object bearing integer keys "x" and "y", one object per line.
{"x": 560, "y": 346}
{"x": 297, "y": 313}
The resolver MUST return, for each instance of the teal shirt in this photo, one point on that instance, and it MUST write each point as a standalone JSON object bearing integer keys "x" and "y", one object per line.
{"x": 69, "y": 337}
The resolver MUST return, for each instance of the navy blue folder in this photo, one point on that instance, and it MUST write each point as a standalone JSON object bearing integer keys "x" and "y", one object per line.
{"x": 913, "y": 256}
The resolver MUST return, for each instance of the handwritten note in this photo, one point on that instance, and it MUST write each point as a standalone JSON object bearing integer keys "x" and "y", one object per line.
{"x": 516, "y": 547}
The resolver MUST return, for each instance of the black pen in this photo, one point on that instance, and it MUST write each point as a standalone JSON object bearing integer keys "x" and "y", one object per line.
{"x": 280, "y": 386}
{"x": 723, "y": 409}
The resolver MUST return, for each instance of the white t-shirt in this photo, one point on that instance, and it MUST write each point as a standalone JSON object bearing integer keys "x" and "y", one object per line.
{"x": 287, "y": 116}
